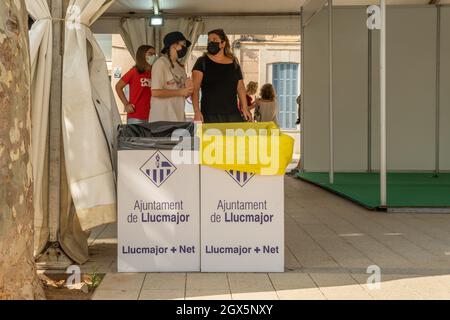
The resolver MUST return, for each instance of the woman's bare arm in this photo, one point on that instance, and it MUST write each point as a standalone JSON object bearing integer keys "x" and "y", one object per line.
{"x": 165, "y": 93}
{"x": 197, "y": 78}
{"x": 242, "y": 92}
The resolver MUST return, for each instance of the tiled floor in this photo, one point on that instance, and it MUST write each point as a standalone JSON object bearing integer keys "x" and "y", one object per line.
{"x": 330, "y": 243}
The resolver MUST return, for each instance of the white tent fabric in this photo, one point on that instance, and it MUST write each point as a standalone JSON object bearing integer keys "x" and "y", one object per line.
{"x": 192, "y": 28}
{"x": 41, "y": 72}
{"x": 136, "y": 32}
{"x": 208, "y": 6}
{"x": 89, "y": 118}
{"x": 103, "y": 96}
{"x": 264, "y": 25}
{"x": 72, "y": 238}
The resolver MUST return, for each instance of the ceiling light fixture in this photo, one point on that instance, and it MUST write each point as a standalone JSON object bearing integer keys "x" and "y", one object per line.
{"x": 156, "y": 20}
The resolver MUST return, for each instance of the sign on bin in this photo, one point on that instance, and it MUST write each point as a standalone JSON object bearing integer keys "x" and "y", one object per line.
{"x": 242, "y": 223}
{"x": 158, "y": 213}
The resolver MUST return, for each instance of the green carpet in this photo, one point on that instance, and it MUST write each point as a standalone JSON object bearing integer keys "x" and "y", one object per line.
{"x": 421, "y": 190}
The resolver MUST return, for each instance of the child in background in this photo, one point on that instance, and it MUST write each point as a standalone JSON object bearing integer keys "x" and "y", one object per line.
{"x": 252, "y": 89}
{"x": 266, "y": 108}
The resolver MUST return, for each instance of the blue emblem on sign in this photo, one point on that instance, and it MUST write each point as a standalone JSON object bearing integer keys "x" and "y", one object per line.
{"x": 242, "y": 178}
{"x": 158, "y": 169}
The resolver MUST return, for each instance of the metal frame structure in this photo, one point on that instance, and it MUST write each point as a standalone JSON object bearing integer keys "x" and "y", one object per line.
{"x": 318, "y": 6}
{"x": 330, "y": 88}
{"x": 383, "y": 135}
{"x": 313, "y": 8}
{"x": 302, "y": 98}
{"x": 438, "y": 89}
{"x": 369, "y": 101}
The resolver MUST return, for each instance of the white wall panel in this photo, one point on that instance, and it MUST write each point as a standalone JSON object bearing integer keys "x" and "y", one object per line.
{"x": 445, "y": 90}
{"x": 411, "y": 89}
{"x": 315, "y": 124}
{"x": 350, "y": 91}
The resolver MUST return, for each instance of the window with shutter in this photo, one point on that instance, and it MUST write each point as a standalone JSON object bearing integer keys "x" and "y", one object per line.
{"x": 285, "y": 81}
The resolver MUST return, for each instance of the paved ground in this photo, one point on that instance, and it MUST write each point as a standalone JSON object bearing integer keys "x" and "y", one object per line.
{"x": 330, "y": 243}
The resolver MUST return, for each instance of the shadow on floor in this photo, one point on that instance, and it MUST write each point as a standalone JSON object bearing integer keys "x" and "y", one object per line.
{"x": 330, "y": 244}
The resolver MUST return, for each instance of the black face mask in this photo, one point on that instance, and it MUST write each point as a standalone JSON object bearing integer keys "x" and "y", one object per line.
{"x": 182, "y": 52}
{"x": 213, "y": 48}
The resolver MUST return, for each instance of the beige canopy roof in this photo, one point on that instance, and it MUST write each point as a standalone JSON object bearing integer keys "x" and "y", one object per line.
{"x": 209, "y": 7}
{"x": 247, "y": 6}
{"x": 284, "y": 13}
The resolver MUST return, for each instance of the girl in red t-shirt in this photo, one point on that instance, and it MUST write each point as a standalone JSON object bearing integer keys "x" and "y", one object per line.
{"x": 139, "y": 80}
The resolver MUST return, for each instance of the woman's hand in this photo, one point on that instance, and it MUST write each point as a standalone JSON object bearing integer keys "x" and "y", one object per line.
{"x": 186, "y": 92}
{"x": 130, "y": 108}
{"x": 247, "y": 114}
{"x": 189, "y": 88}
{"x": 189, "y": 83}
{"x": 198, "y": 117}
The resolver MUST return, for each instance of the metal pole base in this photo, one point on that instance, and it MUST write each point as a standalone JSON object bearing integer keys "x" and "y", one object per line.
{"x": 53, "y": 258}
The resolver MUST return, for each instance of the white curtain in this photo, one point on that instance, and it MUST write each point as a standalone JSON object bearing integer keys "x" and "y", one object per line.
{"x": 41, "y": 72}
{"x": 103, "y": 96}
{"x": 67, "y": 229}
{"x": 192, "y": 28}
{"x": 136, "y": 32}
{"x": 90, "y": 118}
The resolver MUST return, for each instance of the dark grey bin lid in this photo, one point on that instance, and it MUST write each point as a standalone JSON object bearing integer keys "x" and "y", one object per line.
{"x": 157, "y": 135}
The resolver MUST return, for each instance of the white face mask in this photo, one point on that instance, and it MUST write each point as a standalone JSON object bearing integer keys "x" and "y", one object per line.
{"x": 151, "y": 59}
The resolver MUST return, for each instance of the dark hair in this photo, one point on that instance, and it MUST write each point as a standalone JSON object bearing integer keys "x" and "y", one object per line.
{"x": 223, "y": 36}
{"x": 268, "y": 92}
{"x": 167, "y": 54}
{"x": 171, "y": 62}
{"x": 141, "y": 62}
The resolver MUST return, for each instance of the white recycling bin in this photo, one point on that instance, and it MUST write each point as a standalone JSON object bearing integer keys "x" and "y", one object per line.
{"x": 158, "y": 212}
{"x": 242, "y": 222}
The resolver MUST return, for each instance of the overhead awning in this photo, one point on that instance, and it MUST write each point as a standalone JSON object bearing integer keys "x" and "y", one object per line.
{"x": 274, "y": 17}
{"x": 209, "y": 7}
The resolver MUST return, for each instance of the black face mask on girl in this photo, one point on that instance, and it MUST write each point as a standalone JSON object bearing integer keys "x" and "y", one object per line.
{"x": 213, "y": 48}
{"x": 182, "y": 52}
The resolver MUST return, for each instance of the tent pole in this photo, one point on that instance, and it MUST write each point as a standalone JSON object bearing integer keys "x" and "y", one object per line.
{"x": 330, "y": 87}
{"x": 302, "y": 99}
{"x": 53, "y": 256}
{"x": 383, "y": 140}
{"x": 369, "y": 103}
{"x": 55, "y": 146}
{"x": 438, "y": 89}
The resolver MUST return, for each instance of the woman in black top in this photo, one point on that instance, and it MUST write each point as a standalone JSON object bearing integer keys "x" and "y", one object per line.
{"x": 218, "y": 74}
